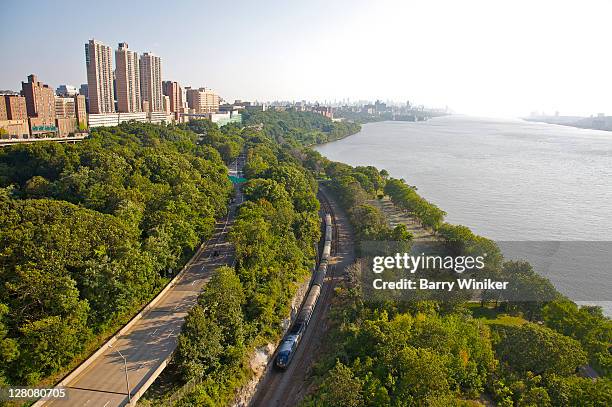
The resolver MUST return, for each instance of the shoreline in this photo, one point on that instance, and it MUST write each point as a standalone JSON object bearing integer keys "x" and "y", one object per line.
{"x": 407, "y": 219}
{"x": 606, "y": 127}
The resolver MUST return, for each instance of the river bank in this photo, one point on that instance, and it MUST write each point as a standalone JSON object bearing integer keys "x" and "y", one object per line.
{"x": 509, "y": 180}
{"x": 594, "y": 122}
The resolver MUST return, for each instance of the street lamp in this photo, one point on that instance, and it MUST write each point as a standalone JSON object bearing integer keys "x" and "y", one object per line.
{"x": 127, "y": 382}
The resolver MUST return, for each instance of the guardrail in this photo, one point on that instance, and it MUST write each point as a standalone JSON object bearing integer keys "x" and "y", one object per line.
{"x": 16, "y": 141}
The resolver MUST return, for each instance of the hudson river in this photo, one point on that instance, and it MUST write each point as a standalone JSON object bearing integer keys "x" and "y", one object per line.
{"x": 508, "y": 180}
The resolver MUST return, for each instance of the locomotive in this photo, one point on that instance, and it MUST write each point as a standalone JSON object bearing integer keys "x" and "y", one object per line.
{"x": 290, "y": 342}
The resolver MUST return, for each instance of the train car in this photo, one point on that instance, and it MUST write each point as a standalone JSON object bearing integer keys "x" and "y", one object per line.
{"x": 319, "y": 274}
{"x": 308, "y": 306}
{"x": 328, "y": 220}
{"x": 328, "y": 233}
{"x": 286, "y": 350}
{"x": 290, "y": 343}
{"x": 326, "y": 251}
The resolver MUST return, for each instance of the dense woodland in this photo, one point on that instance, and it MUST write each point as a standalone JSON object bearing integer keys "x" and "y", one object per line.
{"x": 91, "y": 231}
{"x": 274, "y": 235}
{"x": 299, "y": 128}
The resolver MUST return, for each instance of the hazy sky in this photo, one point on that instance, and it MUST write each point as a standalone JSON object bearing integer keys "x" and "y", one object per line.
{"x": 481, "y": 57}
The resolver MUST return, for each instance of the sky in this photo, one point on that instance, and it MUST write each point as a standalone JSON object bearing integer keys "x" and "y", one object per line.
{"x": 489, "y": 57}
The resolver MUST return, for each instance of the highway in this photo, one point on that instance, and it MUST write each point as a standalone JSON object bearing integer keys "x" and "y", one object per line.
{"x": 288, "y": 388}
{"x": 151, "y": 340}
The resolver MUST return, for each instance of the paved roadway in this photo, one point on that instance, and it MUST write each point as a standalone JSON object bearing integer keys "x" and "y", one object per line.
{"x": 153, "y": 338}
{"x": 288, "y": 388}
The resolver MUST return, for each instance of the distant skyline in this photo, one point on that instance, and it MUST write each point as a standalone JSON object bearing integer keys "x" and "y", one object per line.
{"x": 495, "y": 58}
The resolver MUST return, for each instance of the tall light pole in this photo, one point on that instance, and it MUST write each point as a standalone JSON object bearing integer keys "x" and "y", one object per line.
{"x": 127, "y": 382}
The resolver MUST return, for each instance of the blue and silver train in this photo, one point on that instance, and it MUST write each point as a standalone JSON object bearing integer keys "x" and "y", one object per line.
{"x": 290, "y": 342}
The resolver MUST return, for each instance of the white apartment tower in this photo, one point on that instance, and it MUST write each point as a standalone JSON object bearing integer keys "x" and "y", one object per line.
{"x": 151, "y": 82}
{"x": 99, "y": 77}
{"x": 127, "y": 74}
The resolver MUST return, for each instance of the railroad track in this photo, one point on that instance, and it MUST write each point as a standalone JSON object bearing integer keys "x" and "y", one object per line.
{"x": 282, "y": 389}
{"x": 327, "y": 208}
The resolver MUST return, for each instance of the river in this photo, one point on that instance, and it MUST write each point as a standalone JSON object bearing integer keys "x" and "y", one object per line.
{"x": 509, "y": 180}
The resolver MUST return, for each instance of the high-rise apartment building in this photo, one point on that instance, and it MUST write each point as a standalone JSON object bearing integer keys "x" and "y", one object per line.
{"x": 99, "y": 77}
{"x": 3, "y": 115}
{"x": 84, "y": 90}
{"x": 15, "y": 107}
{"x": 166, "y": 104}
{"x": 80, "y": 109}
{"x": 64, "y": 107}
{"x": 203, "y": 100}
{"x": 40, "y": 101}
{"x": 127, "y": 74}
{"x": 175, "y": 93}
{"x": 151, "y": 82}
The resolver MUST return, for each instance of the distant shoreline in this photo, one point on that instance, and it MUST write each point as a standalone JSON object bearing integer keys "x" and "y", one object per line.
{"x": 603, "y": 123}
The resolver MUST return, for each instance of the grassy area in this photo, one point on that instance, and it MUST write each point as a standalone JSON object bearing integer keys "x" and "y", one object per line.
{"x": 396, "y": 216}
{"x": 492, "y": 316}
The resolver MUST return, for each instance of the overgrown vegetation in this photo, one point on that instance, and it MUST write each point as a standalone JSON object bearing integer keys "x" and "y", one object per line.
{"x": 274, "y": 235}
{"x": 299, "y": 128}
{"x": 91, "y": 231}
{"x": 429, "y": 353}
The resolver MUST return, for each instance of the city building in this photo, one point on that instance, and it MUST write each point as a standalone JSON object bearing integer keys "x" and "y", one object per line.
{"x": 83, "y": 90}
{"x": 326, "y": 111}
{"x": 15, "y": 107}
{"x": 3, "y": 112}
{"x": 114, "y": 119}
{"x": 127, "y": 74}
{"x": 151, "y": 82}
{"x": 66, "y": 90}
{"x": 99, "y": 77}
{"x": 40, "y": 105}
{"x": 80, "y": 107}
{"x": 40, "y": 100}
{"x": 166, "y": 104}
{"x": 203, "y": 100}
{"x": 10, "y": 129}
{"x": 67, "y": 121}
{"x": 66, "y": 126}
{"x": 64, "y": 107}
{"x": 159, "y": 117}
{"x": 175, "y": 93}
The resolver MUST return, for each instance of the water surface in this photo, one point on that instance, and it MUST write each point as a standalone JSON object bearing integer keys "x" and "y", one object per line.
{"x": 507, "y": 179}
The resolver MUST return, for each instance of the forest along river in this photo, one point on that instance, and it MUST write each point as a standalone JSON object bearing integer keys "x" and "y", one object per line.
{"x": 543, "y": 191}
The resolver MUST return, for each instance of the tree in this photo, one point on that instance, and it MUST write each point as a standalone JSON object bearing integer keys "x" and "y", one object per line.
{"x": 532, "y": 348}
{"x": 341, "y": 388}
{"x": 420, "y": 374}
{"x": 586, "y": 324}
{"x": 222, "y": 300}
{"x": 9, "y": 349}
{"x": 88, "y": 231}
{"x": 199, "y": 346}
{"x": 579, "y": 391}
{"x": 528, "y": 292}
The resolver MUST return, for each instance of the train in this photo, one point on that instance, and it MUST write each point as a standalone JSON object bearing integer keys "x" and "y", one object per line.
{"x": 290, "y": 342}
